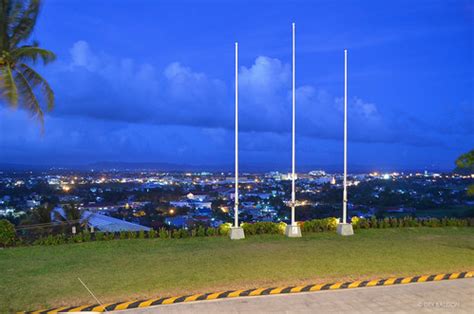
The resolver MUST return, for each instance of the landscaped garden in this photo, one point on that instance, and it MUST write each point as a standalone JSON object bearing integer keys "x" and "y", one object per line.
{"x": 35, "y": 277}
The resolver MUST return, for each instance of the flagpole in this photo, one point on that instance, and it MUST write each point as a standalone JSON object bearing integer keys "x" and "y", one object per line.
{"x": 345, "y": 228}
{"x": 236, "y": 232}
{"x": 344, "y": 198}
{"x": 293, "y": 193}
{"x": 293, "y": 230}
{"x": 236, "y": 197}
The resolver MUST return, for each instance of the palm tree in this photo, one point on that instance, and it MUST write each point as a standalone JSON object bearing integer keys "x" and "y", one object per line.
{"x": 19, "y": 83}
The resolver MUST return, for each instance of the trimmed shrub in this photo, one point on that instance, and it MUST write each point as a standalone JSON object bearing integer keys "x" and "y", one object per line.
{"x": 224, "y": 229}
{"x": 152, "y": 234}
{"x": 210, "y": 232}
{"x": 141, "y": 234}
{"x": 176, "y": 234}
{"x": 86, "y": 236}
{"x": 261, "y": 228}
{"x": 99, "y": 236}
{"x": 7, "y": 233}
{"x": 51, "y": 240}
{"x": 201, "y": 231}
{"x": 163, "y": 233}
{"x": 184, "y": 233}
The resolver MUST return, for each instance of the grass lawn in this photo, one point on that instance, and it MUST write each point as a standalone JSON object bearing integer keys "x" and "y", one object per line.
{"x": 121, "y": 270}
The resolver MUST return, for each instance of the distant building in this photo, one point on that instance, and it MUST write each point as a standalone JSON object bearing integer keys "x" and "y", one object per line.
{"x": 180, "y": 221}
{"x": 109, "y": 224}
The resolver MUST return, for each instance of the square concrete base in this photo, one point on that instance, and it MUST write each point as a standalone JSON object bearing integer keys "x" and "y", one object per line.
{"x": 293, "y": 231}
{"x": 345, "y": 229}
{"x": 236, "y": 233}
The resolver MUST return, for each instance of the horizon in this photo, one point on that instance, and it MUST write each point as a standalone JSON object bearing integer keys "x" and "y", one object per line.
{"x": 226, "y": 168}
{"x": 161, "y": 91}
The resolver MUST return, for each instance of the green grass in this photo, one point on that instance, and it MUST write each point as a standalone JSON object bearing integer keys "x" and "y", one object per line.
{"x": 42, "y": 277}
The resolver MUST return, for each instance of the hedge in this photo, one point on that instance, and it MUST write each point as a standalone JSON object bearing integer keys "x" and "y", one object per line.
{"x": 8, "y": 238}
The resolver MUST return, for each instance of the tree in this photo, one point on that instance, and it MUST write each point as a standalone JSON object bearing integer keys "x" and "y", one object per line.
{"x": 20, "y": 84}
{"x": 465, "y": 163}
{"x": 7, "y": 233}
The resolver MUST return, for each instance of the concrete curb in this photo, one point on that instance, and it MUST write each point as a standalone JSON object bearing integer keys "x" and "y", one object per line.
{"x": 254, "y": 292}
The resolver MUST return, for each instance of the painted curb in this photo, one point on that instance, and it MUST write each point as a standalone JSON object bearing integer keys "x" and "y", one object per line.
{"x": 254, "y": 292}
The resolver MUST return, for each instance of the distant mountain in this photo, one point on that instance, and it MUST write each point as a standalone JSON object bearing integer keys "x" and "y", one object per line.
{"x": 175, "y": 167}
{"x": 158, "y": 166}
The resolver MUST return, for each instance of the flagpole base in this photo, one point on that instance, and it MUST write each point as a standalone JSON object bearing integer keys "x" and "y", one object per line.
{"x": 236, "y": 233}
{"x": 345, "y": 229}
{"x": 293, "y": 231}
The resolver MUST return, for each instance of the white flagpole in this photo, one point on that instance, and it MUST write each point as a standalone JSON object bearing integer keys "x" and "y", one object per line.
{"x": 293, "y": 196}
{"x": 344, "y": 200}
{"x": 236, "y": 232}
{"x": 236, "y": 196}
{"x": 293, "y": 230}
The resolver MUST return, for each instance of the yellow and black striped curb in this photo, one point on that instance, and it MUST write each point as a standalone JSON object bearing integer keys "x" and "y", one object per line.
{"x": 255, "y": 292}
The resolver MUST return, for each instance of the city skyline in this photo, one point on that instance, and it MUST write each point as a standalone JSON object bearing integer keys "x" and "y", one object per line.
{"x": 161, "y": 91}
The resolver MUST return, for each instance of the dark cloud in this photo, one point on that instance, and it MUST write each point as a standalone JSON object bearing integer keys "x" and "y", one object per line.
{"x": 96, "y": 85}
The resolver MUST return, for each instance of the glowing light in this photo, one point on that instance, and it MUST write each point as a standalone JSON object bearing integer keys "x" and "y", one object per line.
{"x": 66, "y": 188}
{"x": 386, "y": 176}
{"x": 171, "y": 211}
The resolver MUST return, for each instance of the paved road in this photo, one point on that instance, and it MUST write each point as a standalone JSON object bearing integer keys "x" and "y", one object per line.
{"x": 452, "y": 296}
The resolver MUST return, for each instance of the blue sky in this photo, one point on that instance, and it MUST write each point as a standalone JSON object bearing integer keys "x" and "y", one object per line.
{"x": 152, "y": 81}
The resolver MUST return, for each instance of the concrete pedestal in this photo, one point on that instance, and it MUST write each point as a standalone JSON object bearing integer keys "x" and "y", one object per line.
{"x": 345, "y": 229}
{"x": 293, "y": 231}
{"x": 236, "y": 233}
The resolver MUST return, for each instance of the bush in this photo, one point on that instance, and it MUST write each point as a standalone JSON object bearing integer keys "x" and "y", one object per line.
{"x": 224, "y": 229}
{"x": 123, "y": 235}
{"x": 210, "y": 232}
{"x": 131, "y": 235}
{"x": 163, "y": 233}
{"x": 7, "y": 233}
{"x": 152, "y": 234}
{"x": 184, "y": 233}
{"x": 77, "y": 238}
{"x": 176, "y": 234}
{"x": 51, "y": 240}
{"x": 201, "y": 231}
{"x": 261, "y": 228}
{"x": 141, "y": 234}
{"x": 86, "y": 236}
{"x": 99, "y": 236}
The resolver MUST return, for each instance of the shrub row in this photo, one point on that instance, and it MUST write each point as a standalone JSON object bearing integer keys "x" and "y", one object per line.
{"x": 362, "y": 223}
{"x": 162, "y": 233}
{"x": 8, "y": 237}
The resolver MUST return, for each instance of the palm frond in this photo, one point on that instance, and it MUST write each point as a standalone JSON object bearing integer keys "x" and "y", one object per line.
{"x": 25, "y": 22}
{"x": 8, "y": 87}
{"x": 28, "y": 98}
{"x": 37, "y": 80}
{"x": 32, "y": 53}
{"x": 5, "y": 9}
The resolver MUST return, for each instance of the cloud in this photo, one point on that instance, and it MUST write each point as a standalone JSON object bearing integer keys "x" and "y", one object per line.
{"x": 104, "y": 87}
